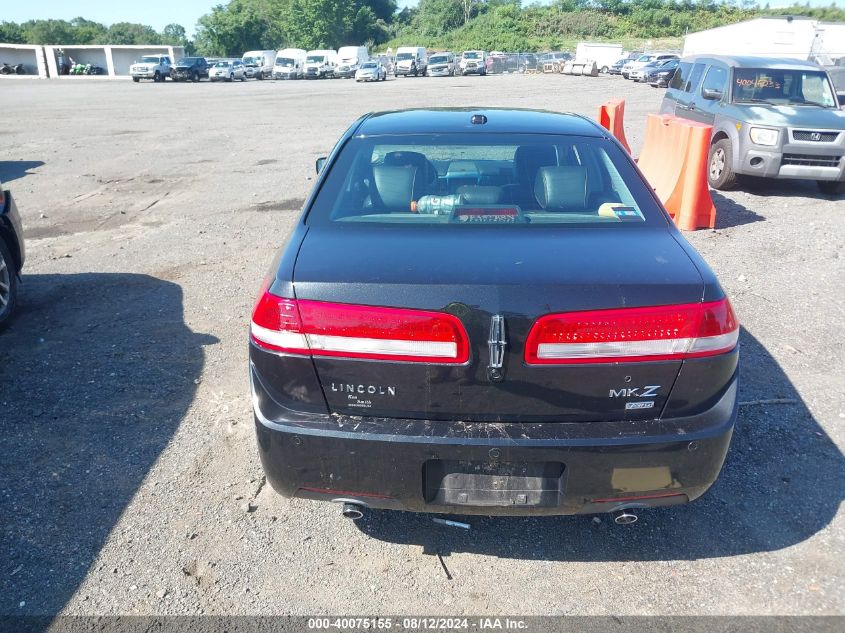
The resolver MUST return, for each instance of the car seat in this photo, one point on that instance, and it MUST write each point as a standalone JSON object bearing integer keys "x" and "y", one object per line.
{"x": 563, "y": 188}
{"x": 427, "y": 172}
{"x": 395, "y": 186}
{"x": 528, "y": 159}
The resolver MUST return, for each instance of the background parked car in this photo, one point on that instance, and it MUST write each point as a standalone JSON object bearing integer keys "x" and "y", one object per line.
{"x": 371, "y": 70}
{"x": 193, "y": 68}
{"x": 771, "y": 118}
{"x": 227, "y": 70}
{"x": 660, "y": 75}
{"x": 289, "y": 64}
{"x": 552, "y": 62}
{"x": 521, "y": 62}
{"x": 442, "y": 65}
{"x": 258, "y": 64}
{"x": 473, "y": 63}
{"x": 638, "y": 73}
{"x": 11, "y": 254}
{"x": 496, "y": 62}
{"x": 410, "y": 61}
{"x": 155, "y": 67}
{"x": 631, "y": 68}
{"x": 616, "y": 67}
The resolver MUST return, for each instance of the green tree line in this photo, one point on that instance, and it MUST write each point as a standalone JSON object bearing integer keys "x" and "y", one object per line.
{"x": 82, "y": 31}
{"x": 241, "y": 25}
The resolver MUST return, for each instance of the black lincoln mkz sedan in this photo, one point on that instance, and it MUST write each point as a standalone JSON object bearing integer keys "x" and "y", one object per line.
{"x": 489, "y": 312}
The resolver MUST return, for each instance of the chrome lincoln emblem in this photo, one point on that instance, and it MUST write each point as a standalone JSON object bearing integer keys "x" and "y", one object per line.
{"x": 815, "y": 136}
{"x": 496, "y": 343}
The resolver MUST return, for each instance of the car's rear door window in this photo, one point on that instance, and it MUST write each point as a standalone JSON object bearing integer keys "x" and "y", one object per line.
{"x": 495, "y": 179}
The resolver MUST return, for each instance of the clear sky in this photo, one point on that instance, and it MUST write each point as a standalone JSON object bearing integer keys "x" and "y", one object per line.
{"x": 158, "y": 13}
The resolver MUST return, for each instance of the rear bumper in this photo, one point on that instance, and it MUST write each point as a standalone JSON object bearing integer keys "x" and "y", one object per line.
{"x": 492, "y": 469}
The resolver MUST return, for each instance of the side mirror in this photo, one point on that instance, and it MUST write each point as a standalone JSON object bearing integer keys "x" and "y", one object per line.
{"x": 320, "y": 163}
{"x": 841, "y": 97}
{"x": 711, "y": 94}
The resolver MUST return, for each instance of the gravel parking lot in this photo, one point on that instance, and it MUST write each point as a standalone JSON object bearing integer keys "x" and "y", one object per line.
{"x": 129, "y": 478}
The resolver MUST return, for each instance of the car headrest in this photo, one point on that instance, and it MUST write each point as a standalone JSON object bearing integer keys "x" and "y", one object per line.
{"x": 561, "y": 188}
{"x": 413, "y": 159}
{"x": 395, "y": 186}
{"x": 529, "y": 158}
{"x": 480, "y": 194}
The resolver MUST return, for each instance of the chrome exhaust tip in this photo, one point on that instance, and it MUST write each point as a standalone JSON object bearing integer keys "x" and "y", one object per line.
{"x": 352, "y": 511}
{"x": 624, "y": 517}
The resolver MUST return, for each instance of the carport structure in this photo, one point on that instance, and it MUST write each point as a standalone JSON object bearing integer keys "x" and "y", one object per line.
{"x": 115, "y": 60}
{"x": 30, "y": 55}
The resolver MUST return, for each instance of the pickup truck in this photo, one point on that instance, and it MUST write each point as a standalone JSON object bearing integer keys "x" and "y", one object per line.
{"x": 189, "y": 68}
{"x": 155, "y": 67}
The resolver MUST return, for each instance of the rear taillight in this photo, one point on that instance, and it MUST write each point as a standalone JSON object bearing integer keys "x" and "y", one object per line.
{"x": 354, "y": 331}
{"x": 633, "y": 334}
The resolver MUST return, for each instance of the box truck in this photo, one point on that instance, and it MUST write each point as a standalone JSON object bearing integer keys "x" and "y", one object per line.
{"x": 604, "y": 55}
{"x": 349, "y": 58}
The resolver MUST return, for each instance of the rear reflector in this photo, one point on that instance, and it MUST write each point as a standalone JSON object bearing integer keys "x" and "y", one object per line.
{"x": 633, "y": 334}
{"x": 353, "y": 331}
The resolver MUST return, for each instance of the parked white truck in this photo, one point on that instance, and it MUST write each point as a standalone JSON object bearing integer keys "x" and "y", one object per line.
{"x": 155, "y": 67}
{"x": 289, "y": 64}
{"x": 604, "y": 55}
{"x": 259, "y": 64}
{"x": 349, "y": 58}
{"x": 320, "y": 63}
{"x": 410, "y": 61}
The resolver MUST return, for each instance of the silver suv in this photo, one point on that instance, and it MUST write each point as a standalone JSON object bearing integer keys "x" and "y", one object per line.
{"x": 774, "y": 118}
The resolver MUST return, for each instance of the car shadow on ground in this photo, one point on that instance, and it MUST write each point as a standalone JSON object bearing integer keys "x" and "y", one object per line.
{"x": 97, "y": 372}
{"x": 730, "y": 213}
{"x": 783, "y": 482}
{"x": 13, "y": 169}
{"x": 785, "y": 188}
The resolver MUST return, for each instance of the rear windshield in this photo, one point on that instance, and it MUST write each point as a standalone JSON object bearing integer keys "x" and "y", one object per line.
{"x": 499, "y": 179}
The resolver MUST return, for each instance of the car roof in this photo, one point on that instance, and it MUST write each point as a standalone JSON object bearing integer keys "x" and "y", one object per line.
{"x": 750, "y": 61}
{"x": 455, "y": 120}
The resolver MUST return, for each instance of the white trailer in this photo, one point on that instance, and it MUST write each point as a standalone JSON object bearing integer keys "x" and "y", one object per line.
{"x": 789, "y": 37}
{"x": 603, "y": 54}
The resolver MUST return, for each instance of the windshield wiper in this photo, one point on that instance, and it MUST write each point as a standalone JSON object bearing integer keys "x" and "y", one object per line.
{"x": 767, "y": 102}
{"x": 810, "y": 103}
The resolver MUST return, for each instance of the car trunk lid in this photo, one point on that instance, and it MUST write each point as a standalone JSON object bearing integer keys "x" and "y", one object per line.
{"x": 496, "y": 282}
